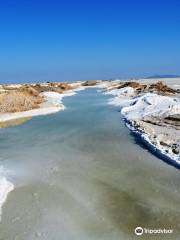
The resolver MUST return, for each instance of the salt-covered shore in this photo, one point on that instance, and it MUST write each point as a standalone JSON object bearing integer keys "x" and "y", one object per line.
{"x": 154, "y": 116}
{"x": 5, "y": 187}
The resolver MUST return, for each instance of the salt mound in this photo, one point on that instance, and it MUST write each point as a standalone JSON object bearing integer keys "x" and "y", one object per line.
{"x": 153, "y": 105}
{"x": 122, "y": 92}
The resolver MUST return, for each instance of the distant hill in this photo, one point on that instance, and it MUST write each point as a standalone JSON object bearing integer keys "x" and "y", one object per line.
{"x": 163, "y": 76}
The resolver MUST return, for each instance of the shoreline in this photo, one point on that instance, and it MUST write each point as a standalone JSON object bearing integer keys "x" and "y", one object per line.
{"x": 148, "y": 116}
{"x": 52, "y": 104}
{"x": 52, "y": 99}
{"x": 159, "y": 152}
{"x": 146, "y": 112}
{"x": 5, "y": 188}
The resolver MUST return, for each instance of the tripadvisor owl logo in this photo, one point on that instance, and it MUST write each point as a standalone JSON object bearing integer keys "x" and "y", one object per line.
{"x": 138, "y": 231}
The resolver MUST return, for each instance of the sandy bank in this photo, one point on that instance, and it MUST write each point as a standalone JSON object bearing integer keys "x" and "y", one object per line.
{"x": 26, "y": 101}
{"x": 53, "y": 103}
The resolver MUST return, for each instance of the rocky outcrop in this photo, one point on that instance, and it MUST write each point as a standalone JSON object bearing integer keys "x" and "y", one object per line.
{"x": 160, "y": 87}
{"x": 53, "y": 87}
{"x": 89, "y": 83}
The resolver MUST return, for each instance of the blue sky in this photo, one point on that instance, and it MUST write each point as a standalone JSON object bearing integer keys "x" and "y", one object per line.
{"x": 75, "y": 40}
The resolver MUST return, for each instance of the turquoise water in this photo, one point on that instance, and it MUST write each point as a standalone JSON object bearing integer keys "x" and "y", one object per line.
{"x": 79, "y": 174}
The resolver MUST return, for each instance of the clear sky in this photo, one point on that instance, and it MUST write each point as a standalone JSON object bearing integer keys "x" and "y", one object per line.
{"x": 88, "y": 39}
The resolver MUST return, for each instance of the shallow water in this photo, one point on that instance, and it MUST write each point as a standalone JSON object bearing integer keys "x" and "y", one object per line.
{"x": 79, "y": 174}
